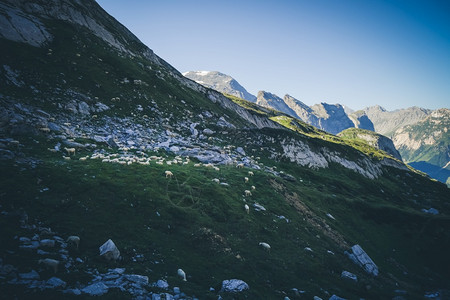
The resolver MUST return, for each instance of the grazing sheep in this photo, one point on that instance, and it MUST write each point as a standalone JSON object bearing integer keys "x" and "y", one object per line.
{"x": 66, "y": 157}
{"x": 245, "y": 179}
{"x": 70, "y": 151}
{"x": 247, "y": 193}
{"x": 83, "y": 158}
{"x": 240, "y": 166}
{"x": 253, "y": 188}
{"x": 182, "y": 274}
{"x": 168, "y": 174}
{"x": 247, "y": 209}
{"x": 197, "y": 165}
{"x": 50, "y": 263}
{"x": 216, "y": 168}
{"x": 73, "y": 240}
{"x": 265, "y": 246}
{"x": 216, "y": 180}
{"x": 250, "y": 173}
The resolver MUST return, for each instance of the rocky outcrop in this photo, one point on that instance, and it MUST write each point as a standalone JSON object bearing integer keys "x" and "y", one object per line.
{"x": 360, "y": 257}
{"x": 220, "y": 82}
{"x": 303, "y": 111}
{"x": 373, "y": 139}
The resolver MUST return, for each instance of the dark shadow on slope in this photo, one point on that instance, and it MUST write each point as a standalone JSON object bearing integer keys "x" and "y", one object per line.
{"x": 434, "y": 171}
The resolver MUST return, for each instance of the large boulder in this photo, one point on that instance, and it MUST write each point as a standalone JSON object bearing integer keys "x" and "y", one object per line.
{"x": 234, "y": 286}
{"x": 109, "y": 251}
{"x": 360, "y": 257}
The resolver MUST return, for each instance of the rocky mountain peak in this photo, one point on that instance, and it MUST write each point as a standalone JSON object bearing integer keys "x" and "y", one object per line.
{"x": 220, "y": 82}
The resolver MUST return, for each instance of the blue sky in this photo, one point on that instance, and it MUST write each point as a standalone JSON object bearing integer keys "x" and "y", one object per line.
{"x": 355, "y": 52}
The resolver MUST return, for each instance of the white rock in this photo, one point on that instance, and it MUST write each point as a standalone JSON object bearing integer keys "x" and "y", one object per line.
{"x": 109, "y": 250}
{"x": 348, "y": 275}
{"x": 234, "y": 286}
{"x": 360, "y": 257}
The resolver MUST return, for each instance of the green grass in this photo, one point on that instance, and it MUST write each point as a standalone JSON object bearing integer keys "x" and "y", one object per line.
{"x": 204, "y": 229}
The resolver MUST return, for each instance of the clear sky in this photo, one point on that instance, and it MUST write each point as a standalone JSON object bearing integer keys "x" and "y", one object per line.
{"x": 395, "y": 53}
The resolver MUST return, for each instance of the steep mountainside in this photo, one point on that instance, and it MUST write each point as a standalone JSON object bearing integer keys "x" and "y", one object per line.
{"x": 332, "y": 117}
{"x": 374, "y": 139}
{"x": 220, "y": 82}
{"x": 387, "y": 122}
{"x": 178, "y": 192}
{"x": 426, "y": 144}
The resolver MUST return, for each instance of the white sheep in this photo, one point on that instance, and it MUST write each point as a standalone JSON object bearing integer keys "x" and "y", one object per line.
{"x": 245, "y": 179}
{"x": 216, "y": 180}
{"x": 265, "y": 246}
{"x": 168, "y": 174}
{"x": 83, "y": 158}
{"x": 66, "y": 157}
{"x": 70, "y": 151}
{"x": 253, "y": 188}
{"x": 240, "y": 166}
{"x": 197, "y": 165}
{"x": 250, "y": 173}
{"x": 247, "y": 193}
{"x": 50, "y": 263}
{"x": 182, "y": 274}
{"x": 247, "y": 208}
{"x": 73, "y": 240}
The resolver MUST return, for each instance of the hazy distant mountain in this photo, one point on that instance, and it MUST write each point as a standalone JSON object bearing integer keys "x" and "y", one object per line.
{"x": 426, "y": 144}
{"x": 387, "y": 122}
{"x": 360, "y": 119}
{"x": 332, "y": 117}
{"x": 220, "y": 82}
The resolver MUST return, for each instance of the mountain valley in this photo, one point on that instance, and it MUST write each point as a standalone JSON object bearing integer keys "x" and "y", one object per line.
{"x": 102, "y": 139}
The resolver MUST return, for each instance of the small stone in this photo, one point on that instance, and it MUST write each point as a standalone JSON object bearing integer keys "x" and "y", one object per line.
{"x": 47, "y": 243}
{"x": 348, "y": 275}
{"x": 162, "y": 284}
{"x": 33, "y": 275}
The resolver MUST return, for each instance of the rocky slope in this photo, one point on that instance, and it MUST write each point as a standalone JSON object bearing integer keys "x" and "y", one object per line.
{"x": 102, "y": 139}
{"x": 374, "y": 139}
{"x": 220, "y": 82}
{"x": 427, "y": 143}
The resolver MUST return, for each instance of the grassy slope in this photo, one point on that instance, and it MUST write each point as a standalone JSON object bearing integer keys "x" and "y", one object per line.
{"x": 202, "y": 226}
{"x": 200, "y": 219}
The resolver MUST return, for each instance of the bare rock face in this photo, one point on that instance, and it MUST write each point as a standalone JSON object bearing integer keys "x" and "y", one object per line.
{"x": 19, "y": 27}
{"x": 332, "y": 117}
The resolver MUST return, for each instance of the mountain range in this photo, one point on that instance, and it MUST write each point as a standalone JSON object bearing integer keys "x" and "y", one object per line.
{"x": 334, "y": 118}
{"x": 122, "y": 178}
